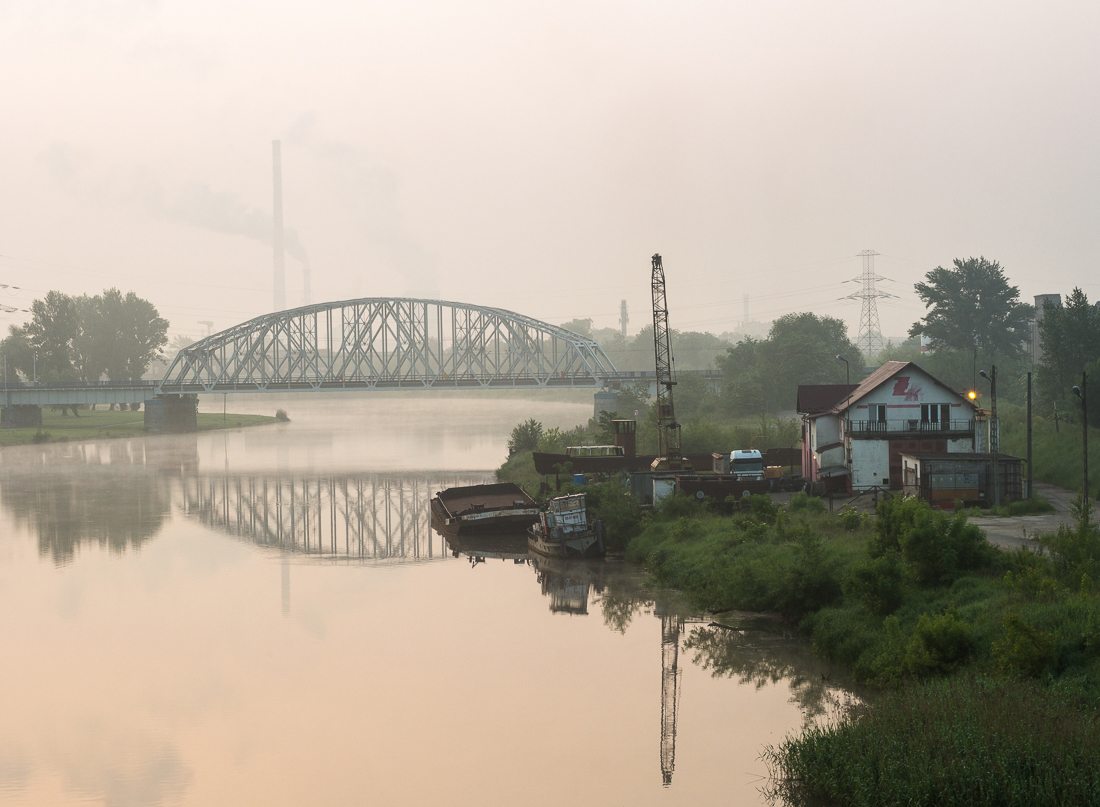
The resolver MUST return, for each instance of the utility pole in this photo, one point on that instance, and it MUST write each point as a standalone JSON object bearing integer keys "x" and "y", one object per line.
{"x": 1029, "y": 475}
{"x": 869, "y": 340}
{"x": 1082, "y": 393}
{"x": 994, "y": 432}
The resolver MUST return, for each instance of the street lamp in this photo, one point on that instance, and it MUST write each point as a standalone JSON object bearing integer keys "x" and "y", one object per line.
{"x": 994, "y": 431}
{"x": 34, "y": 367}
{"x": 1082, "y": 393}
{"x": 847, "y": 405}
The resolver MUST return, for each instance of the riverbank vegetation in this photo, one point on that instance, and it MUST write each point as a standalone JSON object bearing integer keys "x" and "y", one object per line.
{"x": 101, "y": 424}
{"x": 918, "y": 604}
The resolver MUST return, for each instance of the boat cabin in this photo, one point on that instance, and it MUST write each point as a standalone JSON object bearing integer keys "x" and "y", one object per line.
{"x": 595, "y": 451}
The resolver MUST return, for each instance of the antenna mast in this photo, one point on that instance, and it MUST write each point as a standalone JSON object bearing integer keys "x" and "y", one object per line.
{"x": 869, "y": 341}
{"x": 668, "y": 430}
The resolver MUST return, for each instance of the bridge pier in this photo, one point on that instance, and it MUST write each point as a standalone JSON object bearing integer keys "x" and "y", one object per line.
{"x": 21, "y": 416}
{"x": 172, "y": 414}
{"x": 606, "y": 402}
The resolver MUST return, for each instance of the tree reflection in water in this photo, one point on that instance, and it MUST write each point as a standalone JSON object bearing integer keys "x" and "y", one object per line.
{"x": 760, "y": 657}
{"x": 116, "y": 494}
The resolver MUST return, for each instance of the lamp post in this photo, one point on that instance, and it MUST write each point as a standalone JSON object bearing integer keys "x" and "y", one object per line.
{"x": 994, "y": 431}
{"x": 1082, "y": 393}
{"x": 34, "y": 367}
{"x": 847, "y": 414}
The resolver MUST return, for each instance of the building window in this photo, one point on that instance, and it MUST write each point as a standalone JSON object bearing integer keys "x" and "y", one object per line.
{"x": 939, "y": 414}
{"x": 877, "y": 413}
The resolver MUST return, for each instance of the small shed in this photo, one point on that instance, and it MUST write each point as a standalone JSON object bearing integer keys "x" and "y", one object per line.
{"x": 942, "y": 479}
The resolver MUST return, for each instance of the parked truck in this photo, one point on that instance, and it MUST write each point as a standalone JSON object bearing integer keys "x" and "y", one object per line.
{"x": 747, "y": 466}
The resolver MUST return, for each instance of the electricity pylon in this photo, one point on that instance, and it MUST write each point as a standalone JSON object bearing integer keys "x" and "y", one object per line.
{"x": 869, "y": 341}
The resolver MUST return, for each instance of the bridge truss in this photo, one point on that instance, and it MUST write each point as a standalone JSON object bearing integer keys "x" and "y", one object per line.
{"x": 360, "y": 518}
{"x": 377, "y": 344}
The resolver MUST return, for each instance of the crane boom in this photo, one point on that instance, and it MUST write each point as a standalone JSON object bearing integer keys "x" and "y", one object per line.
{"x": 668, "y": 430}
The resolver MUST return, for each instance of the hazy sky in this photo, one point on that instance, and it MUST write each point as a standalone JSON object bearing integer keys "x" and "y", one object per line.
{"x": 533, "y": 156}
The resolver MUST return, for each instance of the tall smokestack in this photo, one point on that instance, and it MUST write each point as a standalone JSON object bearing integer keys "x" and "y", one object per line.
{"x": 277, "y": 236}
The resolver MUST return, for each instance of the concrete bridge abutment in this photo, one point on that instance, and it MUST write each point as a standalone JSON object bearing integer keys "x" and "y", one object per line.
{"x": 172, "y": 414}
{"x": 21, "y": 416}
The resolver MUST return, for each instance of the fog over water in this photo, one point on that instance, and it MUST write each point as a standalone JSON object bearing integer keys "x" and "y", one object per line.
{"x": 533, "y": 156}
{"x": 265, "y": 616}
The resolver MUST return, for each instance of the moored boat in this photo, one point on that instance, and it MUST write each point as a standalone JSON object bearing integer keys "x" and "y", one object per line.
{"x": 564, "y": 530}
{"x": 501, "y": 507}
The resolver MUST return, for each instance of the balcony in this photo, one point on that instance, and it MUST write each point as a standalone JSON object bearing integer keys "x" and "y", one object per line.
{"x": 874, "y": 429}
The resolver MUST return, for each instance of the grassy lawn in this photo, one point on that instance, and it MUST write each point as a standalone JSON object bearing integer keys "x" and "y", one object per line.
{"x": 102, "y": 424}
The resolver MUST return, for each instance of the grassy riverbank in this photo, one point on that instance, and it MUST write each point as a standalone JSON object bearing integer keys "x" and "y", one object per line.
{"x": 103, "y": 424}
{"x": 919, "y": 605}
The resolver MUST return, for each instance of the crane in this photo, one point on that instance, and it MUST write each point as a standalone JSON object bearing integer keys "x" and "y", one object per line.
{"x": 669, "y": 454}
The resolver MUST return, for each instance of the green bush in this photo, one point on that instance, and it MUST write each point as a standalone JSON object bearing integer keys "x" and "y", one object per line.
{"x": 939, "y": 644}
{"x": 802, "y": 502}
{"x": 936, "y": 547}
{"x": 1025, "y": 650}
{"x": 762, "y": 507}
{"x": 1075, "y": 549}
{"x": 811, "y": 584}
{"x": 850, "y": 518}
{"x": 878, "y": 583}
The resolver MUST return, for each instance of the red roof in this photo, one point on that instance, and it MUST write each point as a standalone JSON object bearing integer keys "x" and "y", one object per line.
{"x": 813, "y": 399}
{"x": 879, "y": 377}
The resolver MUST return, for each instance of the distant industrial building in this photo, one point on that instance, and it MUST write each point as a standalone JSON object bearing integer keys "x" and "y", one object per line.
{"x": 1040, "y": 303}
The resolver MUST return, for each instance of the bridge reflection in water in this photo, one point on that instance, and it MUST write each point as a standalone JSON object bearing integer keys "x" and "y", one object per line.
{"x": 354, "y": 518}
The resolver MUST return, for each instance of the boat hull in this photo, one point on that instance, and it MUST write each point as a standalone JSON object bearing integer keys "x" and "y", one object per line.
{"x": 587, "y": 544}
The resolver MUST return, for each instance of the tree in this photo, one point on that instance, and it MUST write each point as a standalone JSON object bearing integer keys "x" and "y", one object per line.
{"x": 1070, "y": 338}
{"x": 81, "y": 338}
{"x": 582, "y": 327}
{"x": 525, "y": 437}
{"x": 18, "y": 353}
{"x": 763, "y": 375}
{"x": 972, "y": 307}
{"x": 50, "y": 332}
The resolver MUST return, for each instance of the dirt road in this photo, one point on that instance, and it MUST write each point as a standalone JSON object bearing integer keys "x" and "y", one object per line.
{"x": 1011, "y": 532}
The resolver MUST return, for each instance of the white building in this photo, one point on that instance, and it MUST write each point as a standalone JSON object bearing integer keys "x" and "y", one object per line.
{"x": 853, "y": 438}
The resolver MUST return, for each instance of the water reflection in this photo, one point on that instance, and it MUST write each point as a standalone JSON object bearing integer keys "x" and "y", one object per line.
{"x": 112, "y": 508}
{"x": 121, "y": 495}
{"x": 360, "y": 518}
{"x": 759, "y": 654}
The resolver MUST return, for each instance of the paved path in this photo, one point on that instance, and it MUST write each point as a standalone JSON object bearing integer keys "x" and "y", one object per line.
{"x": 1011, "y": 532}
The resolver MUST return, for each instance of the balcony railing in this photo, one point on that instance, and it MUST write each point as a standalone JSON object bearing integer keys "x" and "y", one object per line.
{"x": 870, "y": 428}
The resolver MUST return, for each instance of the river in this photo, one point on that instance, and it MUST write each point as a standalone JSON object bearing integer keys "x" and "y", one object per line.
{"x": 264, "y": 616}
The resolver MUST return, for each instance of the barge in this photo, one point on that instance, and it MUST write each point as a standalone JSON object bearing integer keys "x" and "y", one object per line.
{"x": 478, "y": 509}
{"x": 564, "y": 531}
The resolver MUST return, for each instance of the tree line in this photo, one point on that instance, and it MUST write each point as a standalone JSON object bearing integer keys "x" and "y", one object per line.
{"x": 111, "y": 335}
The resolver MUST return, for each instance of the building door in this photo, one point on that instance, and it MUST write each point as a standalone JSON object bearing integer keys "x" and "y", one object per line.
{"x": 899, "y": 447}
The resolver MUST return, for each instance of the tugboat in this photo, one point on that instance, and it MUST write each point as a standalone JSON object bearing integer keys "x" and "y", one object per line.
{"x": 480, "y": 509}
{"x": 563, "y": 530}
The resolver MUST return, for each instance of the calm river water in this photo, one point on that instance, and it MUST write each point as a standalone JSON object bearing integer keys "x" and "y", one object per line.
{"x": 265, "y": 617}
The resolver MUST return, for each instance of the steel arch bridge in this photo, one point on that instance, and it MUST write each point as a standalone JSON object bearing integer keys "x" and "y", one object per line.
{"x": 383, "y": 344}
